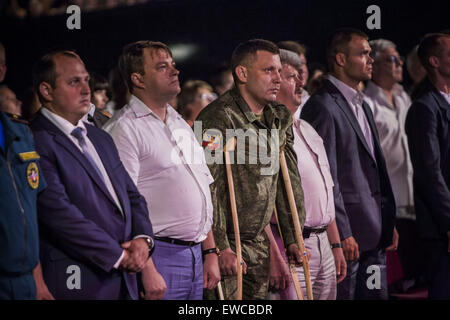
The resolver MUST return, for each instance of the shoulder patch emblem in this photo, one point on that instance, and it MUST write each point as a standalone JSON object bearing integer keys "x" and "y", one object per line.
{"x": 106, "y": 113}
{"x": 211, "y": 139}
{"x": 33, "y": 175}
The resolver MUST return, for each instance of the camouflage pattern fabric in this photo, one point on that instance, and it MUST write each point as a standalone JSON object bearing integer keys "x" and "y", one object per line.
{"x": 256, "y": 193}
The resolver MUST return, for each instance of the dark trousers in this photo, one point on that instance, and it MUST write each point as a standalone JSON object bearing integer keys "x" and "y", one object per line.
{"x": 17, "y": 287}
{"x": 366, "y": 278}
{"x": 437, "y": 269}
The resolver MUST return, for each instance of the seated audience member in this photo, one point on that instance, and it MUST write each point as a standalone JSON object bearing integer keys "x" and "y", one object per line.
{"x": 120, "y": 94}
{"x": 222, "y": 80}
{"x": 316, "y": 70}
{"x": 30, "y": 104}
{"x": 9, "y": 103}
{"x": 194, "y": 96}
{"x": 416, "y": 72}
{"x": 315, "y": 84}
{"x": 97, "y": 113}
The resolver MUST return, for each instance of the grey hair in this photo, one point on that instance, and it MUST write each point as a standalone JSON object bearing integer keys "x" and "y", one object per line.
{"x": 379, "y": 45}
{"x": 290, "y": 57}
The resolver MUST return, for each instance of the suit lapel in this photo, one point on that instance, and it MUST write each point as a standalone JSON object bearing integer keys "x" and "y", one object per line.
{"x": 370, "y": 120}
{"x": 99, "y": 147}
{"x": 342, "y": 103}
{"x": 444, "y": 105}
{"x": 61, "y": 139}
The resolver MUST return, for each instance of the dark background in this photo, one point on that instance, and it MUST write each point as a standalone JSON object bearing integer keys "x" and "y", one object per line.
{"x": 214, "y": 26}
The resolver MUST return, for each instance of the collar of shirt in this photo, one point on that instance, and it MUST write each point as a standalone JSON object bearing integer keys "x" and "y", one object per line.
{"x": 374, "y": 91}
{"x": 446, "y": 96}
{"x": 62, "y": 124}
{"x": 140, "y": 110}
{"x": 91, "y": 109}
{"x": 90, "y": 113}
{"x": 297, "y": 113}
{"x": 351, "y": 95}
{"x": 269, "y": 113}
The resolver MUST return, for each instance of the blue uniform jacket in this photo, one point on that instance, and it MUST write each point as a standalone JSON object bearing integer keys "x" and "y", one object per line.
{"x": 20, "y": 182}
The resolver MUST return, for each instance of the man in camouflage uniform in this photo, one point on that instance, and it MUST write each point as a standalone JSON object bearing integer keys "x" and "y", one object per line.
{"x": 250, "y": 108}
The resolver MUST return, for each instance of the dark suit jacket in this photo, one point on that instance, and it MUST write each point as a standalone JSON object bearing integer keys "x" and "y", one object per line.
{"x": 365, "y": 205}
{"x": 79, "y": 223}
{"x": 428, "y": 129}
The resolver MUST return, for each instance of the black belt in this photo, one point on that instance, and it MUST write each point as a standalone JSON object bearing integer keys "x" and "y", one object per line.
{"x": 177, "y": 241}
{"x": 307, "y": 231}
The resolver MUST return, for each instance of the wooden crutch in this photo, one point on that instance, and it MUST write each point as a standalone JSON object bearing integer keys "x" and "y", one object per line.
{"x": 220, "y": 291}
{"x": 298, "y": 232}
{"x": 230, "y": 146}
{"x": 297, "y": 287}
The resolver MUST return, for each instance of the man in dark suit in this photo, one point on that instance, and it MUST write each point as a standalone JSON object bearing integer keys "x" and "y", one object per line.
{"x": 428, "y": 129}
{"x": 95, "y": 232}
{"x": 365, "y": 205}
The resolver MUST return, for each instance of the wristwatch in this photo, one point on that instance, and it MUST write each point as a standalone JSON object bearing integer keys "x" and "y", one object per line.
{"x": 151, "y": 245}
{"x": 211, "y": 250}
{"x": 336, "y": 245}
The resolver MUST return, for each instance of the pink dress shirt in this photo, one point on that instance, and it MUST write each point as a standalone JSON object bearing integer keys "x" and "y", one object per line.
{"x": 315, "y": 173}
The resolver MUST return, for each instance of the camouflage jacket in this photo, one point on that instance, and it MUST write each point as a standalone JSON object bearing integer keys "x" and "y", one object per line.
{"x": 256, "y": 171}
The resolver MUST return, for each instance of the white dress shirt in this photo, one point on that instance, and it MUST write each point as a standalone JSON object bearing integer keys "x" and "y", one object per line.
{"x": 355, "y": 98}
{"x": 305, "y": 97}
{"x": 446, "y": 96}
{"x": 390, "y": 122}
{"x": 66, "y": 127}
{"x": 314, "y": 170}
{"x": 168, "y": 166}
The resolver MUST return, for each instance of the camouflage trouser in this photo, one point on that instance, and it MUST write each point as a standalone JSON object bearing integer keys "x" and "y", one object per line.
{"x": 255, "y": 284}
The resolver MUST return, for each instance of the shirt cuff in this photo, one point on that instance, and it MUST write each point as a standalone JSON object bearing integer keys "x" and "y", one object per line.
{"x": 117, "y": 264}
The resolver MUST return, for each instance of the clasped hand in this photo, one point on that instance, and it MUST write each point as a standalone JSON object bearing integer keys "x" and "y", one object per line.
{"x": 135, "y": 255}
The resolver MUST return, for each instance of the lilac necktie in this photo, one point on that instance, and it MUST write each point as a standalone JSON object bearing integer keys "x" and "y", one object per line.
{"x": 78, "y": 134}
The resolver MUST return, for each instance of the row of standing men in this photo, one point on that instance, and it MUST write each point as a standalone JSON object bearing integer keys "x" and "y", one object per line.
{"x": 95, "y": 202}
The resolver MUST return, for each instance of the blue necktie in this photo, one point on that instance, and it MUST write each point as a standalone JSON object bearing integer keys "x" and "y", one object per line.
{"x": 78, "y": 134}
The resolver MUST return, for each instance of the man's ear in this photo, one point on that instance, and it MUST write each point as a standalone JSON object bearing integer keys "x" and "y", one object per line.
{"x": 433, "y": 61}
{"x": 241, "y": 73}
{"x": 136, "y": 79}
{"x": 340, "y": 59}
{"x": 46, "y": 91}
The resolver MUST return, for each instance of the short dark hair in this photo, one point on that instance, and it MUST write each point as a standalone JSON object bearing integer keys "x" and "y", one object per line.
{"x": 132, "y": 58}
{"x": 97, "y": 82}
{"x": 339, "y": 41}
{"x": 218, "y": 76}
{"x": 44, "y": 69}
{"x": 292, "y": 46}
{"x": 188, "y": 94}
{"x": 246, "y": 51}
{"x": 430, "y": 45}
